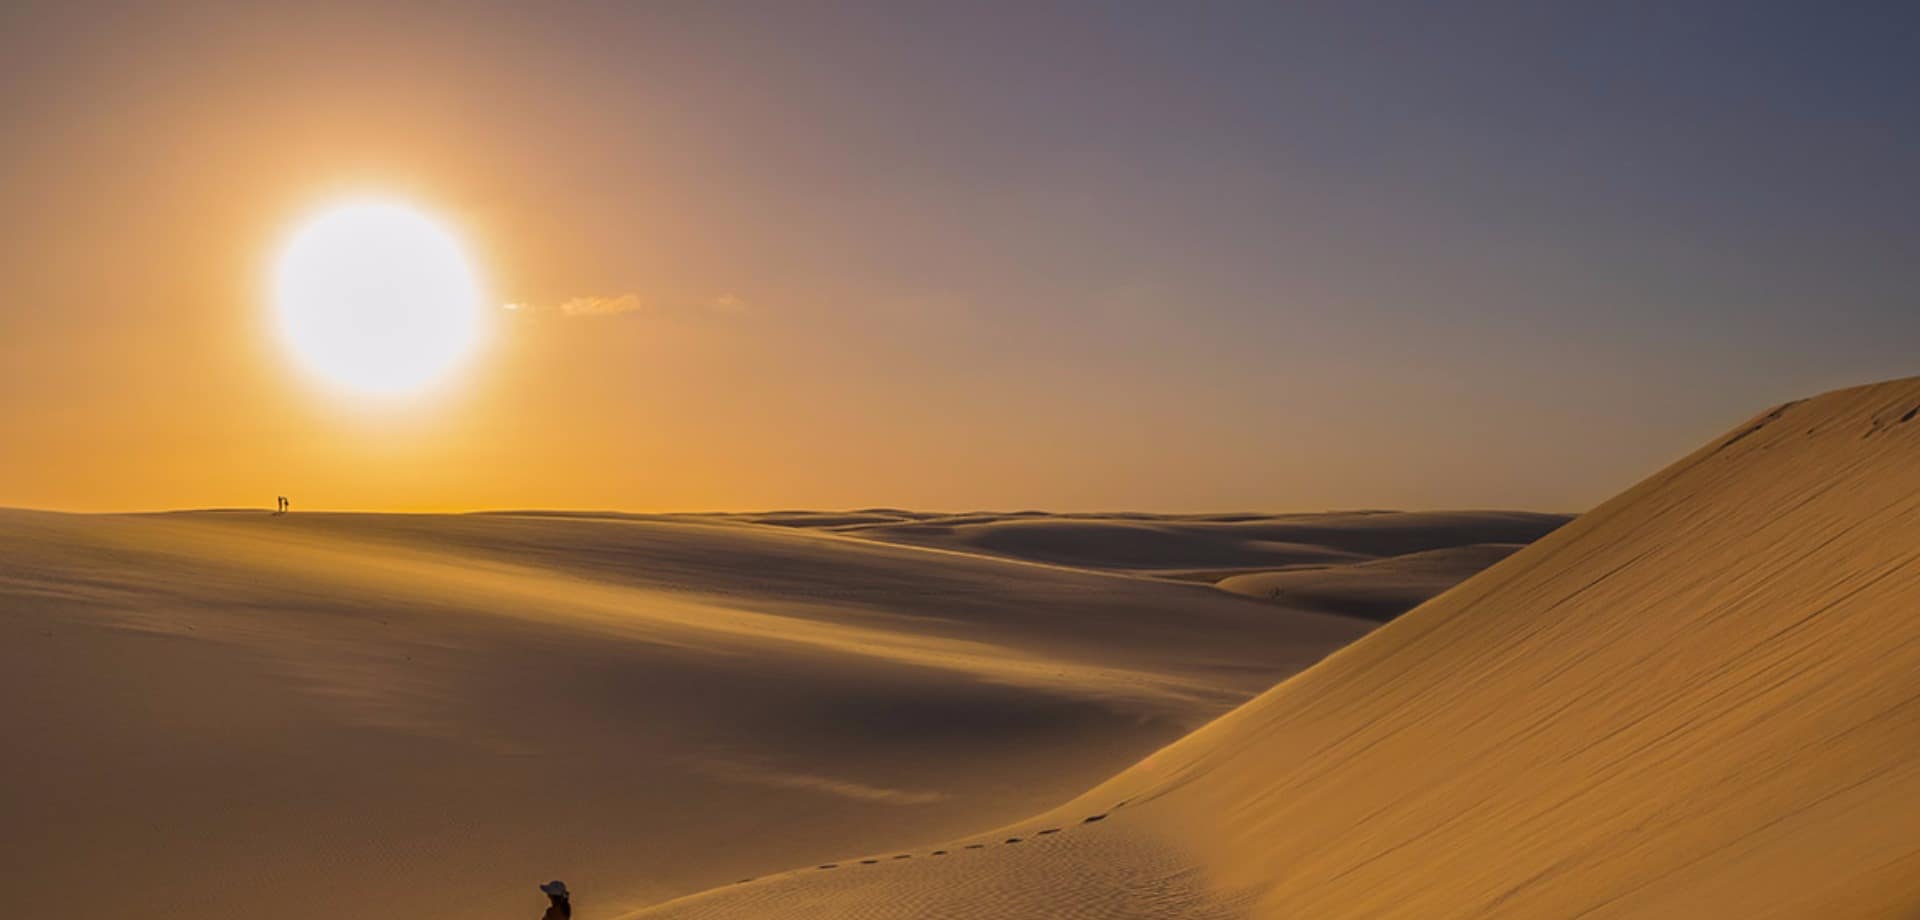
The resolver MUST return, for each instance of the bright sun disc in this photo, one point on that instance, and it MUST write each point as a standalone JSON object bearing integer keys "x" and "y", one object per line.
{"x": 376, "y": 297}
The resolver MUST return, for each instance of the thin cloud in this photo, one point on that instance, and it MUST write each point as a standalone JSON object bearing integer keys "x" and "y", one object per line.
{"x": 601, "y": 306}
{"x": 611, "y": 305}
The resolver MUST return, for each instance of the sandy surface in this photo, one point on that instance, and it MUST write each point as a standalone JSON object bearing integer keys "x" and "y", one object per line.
{"x": 236, "y": 714}
{"x": 1702, "y": 699}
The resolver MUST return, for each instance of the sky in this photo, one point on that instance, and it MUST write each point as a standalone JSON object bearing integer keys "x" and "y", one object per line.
{"x": 1072, "y": 256}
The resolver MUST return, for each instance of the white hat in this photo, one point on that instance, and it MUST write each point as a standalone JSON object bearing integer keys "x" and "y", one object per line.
{"x": 556, "y": 888}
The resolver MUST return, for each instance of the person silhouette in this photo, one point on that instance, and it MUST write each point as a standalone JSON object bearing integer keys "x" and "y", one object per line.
{"x": 560, "y": 901}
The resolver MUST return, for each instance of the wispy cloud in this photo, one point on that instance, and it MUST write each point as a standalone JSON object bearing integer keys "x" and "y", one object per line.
{"x": 610, "y": 305}
{"x": 601, "y": 306}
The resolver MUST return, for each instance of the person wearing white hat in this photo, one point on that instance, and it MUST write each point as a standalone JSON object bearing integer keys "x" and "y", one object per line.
{"x": 561, "y": 907}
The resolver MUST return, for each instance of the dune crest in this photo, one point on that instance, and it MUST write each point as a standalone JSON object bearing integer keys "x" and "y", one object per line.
{"x": 1700, "y": 699}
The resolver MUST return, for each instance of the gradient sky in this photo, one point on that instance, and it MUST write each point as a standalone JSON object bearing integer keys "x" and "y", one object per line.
{"x": 1075, "y": 256}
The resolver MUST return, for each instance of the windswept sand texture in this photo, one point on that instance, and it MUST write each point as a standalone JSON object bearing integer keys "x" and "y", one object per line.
{"x": 227, "y": 714}
{"x": 1701, "y": 699}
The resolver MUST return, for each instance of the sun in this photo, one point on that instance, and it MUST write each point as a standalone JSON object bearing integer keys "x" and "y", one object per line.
{"x": 376, "y": 297}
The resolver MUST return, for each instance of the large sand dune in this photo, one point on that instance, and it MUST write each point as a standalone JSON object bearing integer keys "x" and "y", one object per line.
{"x": 235, "y": 714}
{"x": 1700, "y": 700}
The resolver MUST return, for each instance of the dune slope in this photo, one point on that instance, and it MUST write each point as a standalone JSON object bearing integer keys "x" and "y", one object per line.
{"x": 1702, "y": 699}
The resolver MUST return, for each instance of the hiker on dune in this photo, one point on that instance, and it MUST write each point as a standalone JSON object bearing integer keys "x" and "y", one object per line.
{"x": 561, "y": 907}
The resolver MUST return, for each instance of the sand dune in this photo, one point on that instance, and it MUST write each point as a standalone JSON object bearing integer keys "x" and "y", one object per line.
{"x": 1698, "y": 700}
{"x": 235, "y": 714}
{"x": 1175, "y": 542}
{"x": 1370, "y": 564}
{"x": 1377, "y": 589}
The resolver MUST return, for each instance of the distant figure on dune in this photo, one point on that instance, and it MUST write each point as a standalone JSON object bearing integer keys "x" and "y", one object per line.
{"x": 562, "y": 902}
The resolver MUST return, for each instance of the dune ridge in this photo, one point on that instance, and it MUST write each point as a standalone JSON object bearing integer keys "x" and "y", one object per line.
{"x": 1698, "y": 700}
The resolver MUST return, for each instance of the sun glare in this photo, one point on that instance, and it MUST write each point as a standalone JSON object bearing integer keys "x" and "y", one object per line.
{"x": 376, "y": 297}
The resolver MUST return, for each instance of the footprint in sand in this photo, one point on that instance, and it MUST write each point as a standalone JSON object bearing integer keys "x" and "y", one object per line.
{"x": 1092, "y": 818}
{"x": 1013, "y": 840}
{"x": 868, "y": 862}
{"x": 939, "y": 853}
{"x": 828, "y": 866}
{"x": 1050, "y": 830}
{"x": 904, "y": 856}
{"x": 975, "y": 846}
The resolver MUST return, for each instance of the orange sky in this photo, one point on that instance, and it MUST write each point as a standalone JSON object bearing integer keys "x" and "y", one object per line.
{"x": 878, "y": 260}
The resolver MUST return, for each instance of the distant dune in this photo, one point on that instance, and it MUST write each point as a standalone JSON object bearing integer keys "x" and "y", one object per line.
{"x": 1377, "y": 589}
{"x": 1701, "y": 699}
{"x": 1160, "y": 542}
{"x": 1371, "y": 564}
